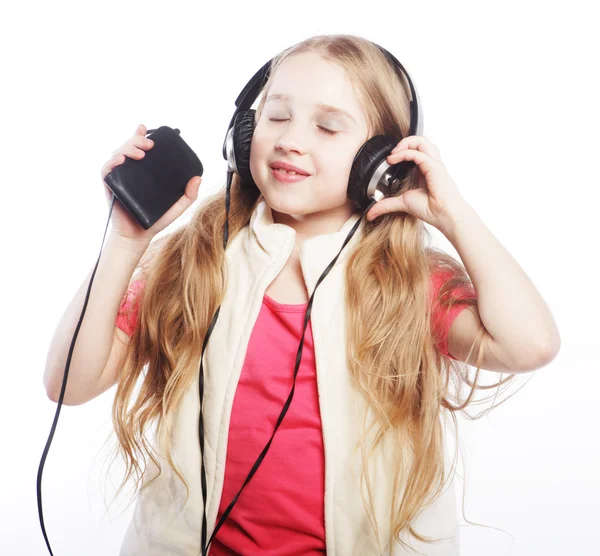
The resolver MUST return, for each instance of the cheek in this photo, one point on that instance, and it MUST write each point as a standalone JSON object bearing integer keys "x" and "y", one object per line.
{"x": 336, "y": 169}
{"x": 256, "y": 156}
{"x": 336, "y": 164}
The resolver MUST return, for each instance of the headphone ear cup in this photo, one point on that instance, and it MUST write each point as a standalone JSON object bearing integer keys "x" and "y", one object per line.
{"x": 243, "y": 129}
{"x": 366, "y": 164}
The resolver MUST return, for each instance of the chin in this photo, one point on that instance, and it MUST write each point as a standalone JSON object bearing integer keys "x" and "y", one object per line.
{"x": 301, "y": 199}
{"x": 287, "y": 204}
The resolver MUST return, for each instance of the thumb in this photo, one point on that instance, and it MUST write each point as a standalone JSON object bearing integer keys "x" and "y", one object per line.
{"x": 191, "y": 189}
{"x": 386, "y": 205}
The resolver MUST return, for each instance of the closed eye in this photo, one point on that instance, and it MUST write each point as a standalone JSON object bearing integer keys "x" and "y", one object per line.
{"x": 327, "y": 131}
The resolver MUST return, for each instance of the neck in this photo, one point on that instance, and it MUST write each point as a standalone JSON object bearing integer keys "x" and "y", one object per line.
{"x": 314, "y": 224}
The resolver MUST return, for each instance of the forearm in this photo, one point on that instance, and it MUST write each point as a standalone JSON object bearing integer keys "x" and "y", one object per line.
{"x": 94, "y": 340}
{"x": 510, "y": 307}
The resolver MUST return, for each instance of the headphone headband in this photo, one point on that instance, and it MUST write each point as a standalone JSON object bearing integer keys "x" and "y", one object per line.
{"x": 252, "y": 89}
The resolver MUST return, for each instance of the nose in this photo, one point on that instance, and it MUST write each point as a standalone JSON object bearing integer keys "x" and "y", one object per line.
{"x": 291, "y": 140}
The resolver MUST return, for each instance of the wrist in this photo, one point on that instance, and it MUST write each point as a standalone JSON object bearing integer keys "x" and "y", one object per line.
{"x": 456, "y": 214}
{"x": 131, "y": 245}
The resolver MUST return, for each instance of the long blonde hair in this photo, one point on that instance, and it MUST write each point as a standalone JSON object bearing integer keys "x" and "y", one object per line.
{"x": 391, "y": 349}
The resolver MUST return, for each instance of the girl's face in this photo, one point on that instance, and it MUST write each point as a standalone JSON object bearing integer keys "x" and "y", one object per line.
{"x": 319, "y": 140}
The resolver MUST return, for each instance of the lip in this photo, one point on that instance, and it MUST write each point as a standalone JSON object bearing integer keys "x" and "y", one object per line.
{"x": 286, "y": 166}
{"x": 287, "y": 178}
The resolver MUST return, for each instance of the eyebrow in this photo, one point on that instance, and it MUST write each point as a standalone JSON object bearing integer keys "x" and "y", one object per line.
{"x": 324, "y": 107}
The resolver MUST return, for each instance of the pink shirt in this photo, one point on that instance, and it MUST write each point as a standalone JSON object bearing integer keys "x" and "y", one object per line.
{"x": 441, "y": 320}
{"x": 283, "y": 504}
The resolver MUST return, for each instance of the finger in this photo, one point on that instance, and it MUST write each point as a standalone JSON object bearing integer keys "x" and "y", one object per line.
{"x": 118, "y": 157}
{"x": 423, "y": 160}
{"x": 419, "y": 200}
{"x": 142, "y": 142}
{"x": 386, "y": 205}
{"x": 136, "y": 141}
{"x": 419, "y": 143}
{"x": 132, "y": 151}
{"x": 111, "y": 164}
{"x": 191, "y": 189}
{"x": 141, "y": 130}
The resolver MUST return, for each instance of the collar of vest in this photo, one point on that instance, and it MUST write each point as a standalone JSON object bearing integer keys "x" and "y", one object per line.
{"x": 274, "y": 242}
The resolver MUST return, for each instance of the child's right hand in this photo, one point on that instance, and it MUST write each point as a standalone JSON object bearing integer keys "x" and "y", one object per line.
{"x": 125, "y": 225}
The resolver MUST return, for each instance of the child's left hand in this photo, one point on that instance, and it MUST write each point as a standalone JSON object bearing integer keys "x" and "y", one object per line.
{"x": 437, "y": 197}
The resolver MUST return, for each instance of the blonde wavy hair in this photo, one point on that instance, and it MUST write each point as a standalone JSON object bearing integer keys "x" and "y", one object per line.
{"x": 391, "y": 349}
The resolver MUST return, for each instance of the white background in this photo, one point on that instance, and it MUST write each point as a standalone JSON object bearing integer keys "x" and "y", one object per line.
{"x": 510, "y": 96}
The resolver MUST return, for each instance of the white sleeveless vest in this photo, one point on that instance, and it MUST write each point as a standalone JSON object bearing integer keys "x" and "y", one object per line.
{"x": 163, "y": 526}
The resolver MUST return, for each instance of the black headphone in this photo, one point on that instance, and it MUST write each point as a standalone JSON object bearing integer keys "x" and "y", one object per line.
{"x": 371, "y": 178}
{"x": 370, "y": 170}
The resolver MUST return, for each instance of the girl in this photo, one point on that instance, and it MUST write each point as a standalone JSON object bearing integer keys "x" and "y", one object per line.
{"x": 358, "y": 465}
